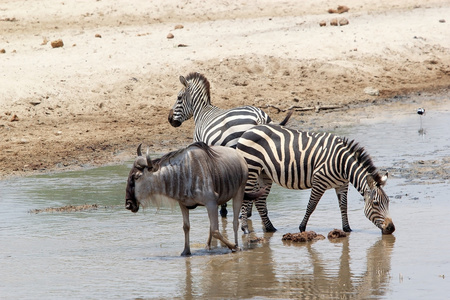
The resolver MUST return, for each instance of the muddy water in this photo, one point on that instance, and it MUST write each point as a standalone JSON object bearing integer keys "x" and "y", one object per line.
{"x": 109, "y": 252}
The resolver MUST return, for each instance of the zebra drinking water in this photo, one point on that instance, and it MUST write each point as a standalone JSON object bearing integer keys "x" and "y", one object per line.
{"x": 317, "y": 161}
{"x": 213, "y": 125}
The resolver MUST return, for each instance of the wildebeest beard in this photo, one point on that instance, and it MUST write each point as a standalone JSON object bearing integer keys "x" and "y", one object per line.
{"x": 131, "y": 202}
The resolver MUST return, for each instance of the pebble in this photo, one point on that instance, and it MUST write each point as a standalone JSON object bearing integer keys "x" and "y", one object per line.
{"x": 334, "y": 22}
{"x": 170, "y": 36}
{"x": 57, "y": 43}
{"x": 179, "y": 26}
{"x": 343, "y": 22}
{"x": 323, "y": 23}
{"x": 372, "y": 91}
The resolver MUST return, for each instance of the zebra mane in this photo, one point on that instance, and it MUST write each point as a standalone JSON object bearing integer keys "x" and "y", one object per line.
{"x": 199, "y": 79}
{"x": 166, "y": 157}
{"x": 363, "y": 158}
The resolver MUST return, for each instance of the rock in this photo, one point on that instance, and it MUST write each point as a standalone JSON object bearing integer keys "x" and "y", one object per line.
{"x": 170, "y": 36}
{"x": 57, "y": 43}
{"x": 441, "y": 21}
{"x": 340, "y": 10}
{"x": 334, "y": 22}
{"x": 302, "y": 237}
{"x": 179, "y": 26}
{"x": 2, "y": 51}
{"x": 323, "y": 23}
{"x": 372, "y": 91}
{"x": 343, "y": 22}
{"x": 14, "y": 118}
{"x": 336, "y": 233}
{"x": 97, "y": 35}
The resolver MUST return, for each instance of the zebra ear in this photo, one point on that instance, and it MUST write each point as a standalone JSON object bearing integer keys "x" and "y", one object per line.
{"x": 184, "y": 81}
{"x": 371, "y": 182}
{"x": 384, "y": 179}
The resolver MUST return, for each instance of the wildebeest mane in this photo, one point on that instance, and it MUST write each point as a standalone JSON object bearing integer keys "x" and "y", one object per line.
{"x": 166, "y": 158}
{"x": 363, "y": 158}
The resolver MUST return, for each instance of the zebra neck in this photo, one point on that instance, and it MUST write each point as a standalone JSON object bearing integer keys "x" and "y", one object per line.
{"x": 204, "y": 110}
{"x": 357, "y": 176}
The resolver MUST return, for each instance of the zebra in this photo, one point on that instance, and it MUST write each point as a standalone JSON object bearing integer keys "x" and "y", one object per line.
{"x": 213, "y": 125}
{"x": 297, "y": 159}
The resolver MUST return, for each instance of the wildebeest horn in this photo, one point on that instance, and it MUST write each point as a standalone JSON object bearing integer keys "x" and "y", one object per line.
{"x": 149, "y": 160}
{"x": 139, "y": 153}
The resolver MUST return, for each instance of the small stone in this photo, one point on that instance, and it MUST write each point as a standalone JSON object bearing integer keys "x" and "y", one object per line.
{"x": 334, "y": 22}
{"x": 170, "y": 36}
{"x": 336, "y": 233}
{"x": 372, "y": 91}
{"x": 97, "y": 35}
{"x": 179, "y": 26}
{"x": 59, "y": 132}
{"x": 57, "y": 43}
{"x": 441, "y": 21}
{"x": 2, "y": 51}
{"x": 342, "y": 9}
{"x": 14, "y": 118}
{"x": 343, "y": 22}
{"x": 323, "y": 23}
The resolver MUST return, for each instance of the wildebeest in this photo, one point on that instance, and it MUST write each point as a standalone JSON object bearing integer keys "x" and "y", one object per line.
{"x": 195, "y": 175}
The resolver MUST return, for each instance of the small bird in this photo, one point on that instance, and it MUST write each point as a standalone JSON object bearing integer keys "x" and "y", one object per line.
{"x": 421, "y": 111}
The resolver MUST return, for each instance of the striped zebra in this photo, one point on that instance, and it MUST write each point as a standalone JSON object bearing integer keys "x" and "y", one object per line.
{"x": 318, "y": 161}
{"x": 213, "y": 125}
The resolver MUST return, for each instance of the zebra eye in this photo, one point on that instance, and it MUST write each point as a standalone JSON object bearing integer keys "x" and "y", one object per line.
{"x": 179, "y": 98}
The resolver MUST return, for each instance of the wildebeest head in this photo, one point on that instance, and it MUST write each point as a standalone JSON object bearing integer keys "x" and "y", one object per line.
{"x": 140, "y": 163}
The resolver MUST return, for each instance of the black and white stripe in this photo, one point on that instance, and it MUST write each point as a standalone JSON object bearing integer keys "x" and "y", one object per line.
{"x": 213, "y": 125}
{"x": 317, "y": 161}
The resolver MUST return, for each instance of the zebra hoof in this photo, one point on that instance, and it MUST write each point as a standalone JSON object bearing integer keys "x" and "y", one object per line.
{"x": 223, "y": 213}
{"x": 302, "y": 228}
{"x": 270, "y": 229}
{"x": 347, "y": 229}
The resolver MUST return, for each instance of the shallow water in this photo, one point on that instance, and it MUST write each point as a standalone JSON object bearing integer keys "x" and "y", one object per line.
{"x": 112, "y": 253}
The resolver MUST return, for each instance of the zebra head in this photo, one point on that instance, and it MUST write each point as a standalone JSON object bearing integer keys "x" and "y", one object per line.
{"x": 376, "y": 204}
{"x": 183, "y": 108}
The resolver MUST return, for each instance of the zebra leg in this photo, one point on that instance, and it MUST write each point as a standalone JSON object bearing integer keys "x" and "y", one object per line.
{"x": 316, "y": 194}
{"x": 341, "y": 193}
{"x": 223, "y": 210}
{"x": 261, "y": 206}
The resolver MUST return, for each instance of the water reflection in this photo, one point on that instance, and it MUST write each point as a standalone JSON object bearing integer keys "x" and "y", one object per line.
{"x": 263, "y": 272}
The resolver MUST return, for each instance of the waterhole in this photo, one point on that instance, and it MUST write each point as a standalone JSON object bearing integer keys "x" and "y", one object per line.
{"x": 100, "y": 250}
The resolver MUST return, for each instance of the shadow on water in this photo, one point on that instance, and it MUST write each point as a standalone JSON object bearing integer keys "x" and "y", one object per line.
{"x": 109, "y": 252}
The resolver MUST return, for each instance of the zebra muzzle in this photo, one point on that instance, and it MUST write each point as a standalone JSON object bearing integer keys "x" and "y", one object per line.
{"x": 174, "y": 123}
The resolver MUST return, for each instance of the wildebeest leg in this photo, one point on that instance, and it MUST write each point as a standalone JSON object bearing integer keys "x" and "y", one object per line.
{"x": 213, "y": 214}
{"x": 186, "y": 227}
{"x": 341, "y": 193}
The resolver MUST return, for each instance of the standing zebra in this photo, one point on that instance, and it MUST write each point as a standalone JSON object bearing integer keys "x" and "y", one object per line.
{"x": 317, "y": 161}
{"x": 213, "y": 125}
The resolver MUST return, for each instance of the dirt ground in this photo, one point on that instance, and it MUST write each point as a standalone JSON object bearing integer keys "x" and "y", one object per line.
{"x": 112, "y": 83}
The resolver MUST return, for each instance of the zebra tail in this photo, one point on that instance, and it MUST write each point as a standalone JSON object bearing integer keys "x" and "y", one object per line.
{"x": 286, "y": 119}
{"x": 255, "y": 195}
